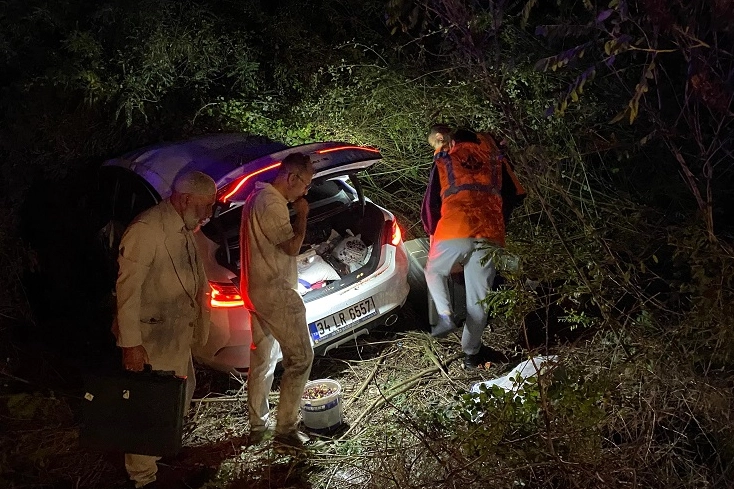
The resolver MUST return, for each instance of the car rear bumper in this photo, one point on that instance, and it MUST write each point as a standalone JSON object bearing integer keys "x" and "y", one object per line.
{"x": 228, "y": 348}
{"x": 387, "y": 287}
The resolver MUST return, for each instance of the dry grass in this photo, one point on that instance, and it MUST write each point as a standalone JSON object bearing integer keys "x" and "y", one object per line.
{"x": 656, "y": 425}
{"x": 383, "y": 381}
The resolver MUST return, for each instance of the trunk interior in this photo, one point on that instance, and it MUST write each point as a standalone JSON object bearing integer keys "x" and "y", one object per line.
{"x": 343, "y": 241}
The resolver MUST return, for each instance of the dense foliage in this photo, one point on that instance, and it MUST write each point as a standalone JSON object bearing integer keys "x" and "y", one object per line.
{"x": 618, "y": 118}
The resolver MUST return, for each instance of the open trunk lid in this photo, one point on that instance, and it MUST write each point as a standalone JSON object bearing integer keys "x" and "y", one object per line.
{"x": 329, "y": 158}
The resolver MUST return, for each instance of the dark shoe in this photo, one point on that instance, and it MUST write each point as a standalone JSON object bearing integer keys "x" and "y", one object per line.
{"x": 443, "y": 328}
{"x": 290, "y": 443}
{"x": 475, "y": 361}
{"x": 257, "y": 436}
{"x": 483, "y": 358}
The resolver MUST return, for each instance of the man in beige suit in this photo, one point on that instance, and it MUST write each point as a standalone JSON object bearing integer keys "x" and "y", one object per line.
{"x": 161, "y": 288}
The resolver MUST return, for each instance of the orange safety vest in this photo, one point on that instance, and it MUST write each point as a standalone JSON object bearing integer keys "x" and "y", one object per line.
{"x": 471, "y": 202}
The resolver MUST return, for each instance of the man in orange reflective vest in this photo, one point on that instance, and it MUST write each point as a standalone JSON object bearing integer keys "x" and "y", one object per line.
{"x": 464, "y": 219}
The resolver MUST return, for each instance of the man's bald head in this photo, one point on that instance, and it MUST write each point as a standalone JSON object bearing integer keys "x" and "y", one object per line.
{"x": 439, "y": 137}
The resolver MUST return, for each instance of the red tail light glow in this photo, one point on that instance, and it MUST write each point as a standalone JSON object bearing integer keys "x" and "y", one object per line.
{"x": 225, "y": 295}
{"x": 226, "y": 192}
{"x": 397, "y": 235}
{"x": 233, "y": 187}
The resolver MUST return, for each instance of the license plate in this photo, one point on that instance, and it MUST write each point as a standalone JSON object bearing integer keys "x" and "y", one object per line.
{"x": 351, "y": 315}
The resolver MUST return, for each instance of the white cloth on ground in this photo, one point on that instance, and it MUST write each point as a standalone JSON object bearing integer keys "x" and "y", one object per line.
{"x": 515, "y": 378}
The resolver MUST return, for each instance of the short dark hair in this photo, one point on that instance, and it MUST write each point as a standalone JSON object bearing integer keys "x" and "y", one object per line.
{"x": 295, "y": 163}
{"x": 464, "y": 135}
{"x": 439, "y": 129}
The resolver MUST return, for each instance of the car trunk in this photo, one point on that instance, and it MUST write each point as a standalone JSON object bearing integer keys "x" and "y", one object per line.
{"x": 343, "y": 241}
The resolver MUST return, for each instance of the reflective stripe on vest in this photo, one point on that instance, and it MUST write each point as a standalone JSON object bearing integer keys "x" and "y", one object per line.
{"x": 492, "y": 188}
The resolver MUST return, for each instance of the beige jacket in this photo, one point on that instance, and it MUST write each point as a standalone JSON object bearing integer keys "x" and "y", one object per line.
{"x": 161, "y": 288}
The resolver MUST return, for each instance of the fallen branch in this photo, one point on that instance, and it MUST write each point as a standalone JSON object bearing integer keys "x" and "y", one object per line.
{"x": 429, "y": 351}
{"x": 366, "y": 381}
{"x": 239, "y": 397}
{"x": 13, "y": 377}
{"x": 397, "y": 390}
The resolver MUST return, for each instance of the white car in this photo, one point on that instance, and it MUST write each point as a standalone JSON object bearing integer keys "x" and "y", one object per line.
{"x": 353, "y": 267}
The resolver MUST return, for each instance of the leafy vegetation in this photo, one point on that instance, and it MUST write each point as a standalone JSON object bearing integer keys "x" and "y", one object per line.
{"x": 617, "y": 116}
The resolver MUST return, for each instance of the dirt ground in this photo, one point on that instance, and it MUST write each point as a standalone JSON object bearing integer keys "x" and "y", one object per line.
{"x": 384, "y": 376}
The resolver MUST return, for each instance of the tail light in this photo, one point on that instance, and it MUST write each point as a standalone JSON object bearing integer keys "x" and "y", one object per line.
{"x": 226, "y": 192}
{"x": 396, "y": 234}
{"x": 225, "y": 295}
{"x": 341, "y": 148}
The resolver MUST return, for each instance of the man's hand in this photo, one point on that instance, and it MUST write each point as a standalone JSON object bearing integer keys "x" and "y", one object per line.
{"x": 300, "y": 205}
{"x": 293, "y": 245}
{"x": 133, "y": 358}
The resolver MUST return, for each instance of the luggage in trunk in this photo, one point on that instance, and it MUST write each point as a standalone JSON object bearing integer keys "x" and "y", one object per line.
{"x": 341, "y": 246}
{"x": 330, "y": 260}
{"x": 341, "y": 242}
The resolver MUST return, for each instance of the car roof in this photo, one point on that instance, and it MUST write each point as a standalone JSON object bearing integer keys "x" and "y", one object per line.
{"x": 231, "y": 156}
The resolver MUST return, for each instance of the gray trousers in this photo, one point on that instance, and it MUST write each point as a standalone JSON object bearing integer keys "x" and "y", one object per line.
{"x": 478, "y": 279}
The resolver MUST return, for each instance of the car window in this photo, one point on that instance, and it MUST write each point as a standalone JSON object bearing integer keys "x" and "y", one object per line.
{"x": 323, "y": 192}
{"x": 121, "y": 195}
{"x": 124, "y": 194}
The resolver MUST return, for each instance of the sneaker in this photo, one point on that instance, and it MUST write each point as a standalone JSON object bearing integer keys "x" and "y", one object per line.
{"x": 443, "y": 328}
{"x": 290, "y": 443}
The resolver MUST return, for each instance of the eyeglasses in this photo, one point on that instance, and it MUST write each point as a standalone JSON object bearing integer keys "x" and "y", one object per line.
{"x": 308, "y": 185}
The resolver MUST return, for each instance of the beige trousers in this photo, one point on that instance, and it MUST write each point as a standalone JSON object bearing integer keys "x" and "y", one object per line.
{"x": 142, "y": 469}
{"x": 285, "y": 330}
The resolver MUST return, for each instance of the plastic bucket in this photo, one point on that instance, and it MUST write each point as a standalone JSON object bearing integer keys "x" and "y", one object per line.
{"x": 325, "y": 413}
